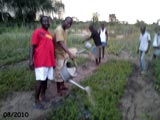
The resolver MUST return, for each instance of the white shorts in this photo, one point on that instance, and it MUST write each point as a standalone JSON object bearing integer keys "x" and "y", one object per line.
{"x": 43, "y": 73}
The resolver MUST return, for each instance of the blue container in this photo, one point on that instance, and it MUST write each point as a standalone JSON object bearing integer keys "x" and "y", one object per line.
{"x": 94, "y": 50}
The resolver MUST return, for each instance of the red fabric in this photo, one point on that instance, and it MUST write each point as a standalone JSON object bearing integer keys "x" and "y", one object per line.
{"x": 44, "y": 50}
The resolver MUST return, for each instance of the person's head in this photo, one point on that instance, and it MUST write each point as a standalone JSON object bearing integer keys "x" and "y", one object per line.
{"x": 67, "y": 23}
{"x": 91, "y": 27}
{"x": 102, "y": 25}
{"x": 143, "y": 29}
{"x": 45, "y": 22}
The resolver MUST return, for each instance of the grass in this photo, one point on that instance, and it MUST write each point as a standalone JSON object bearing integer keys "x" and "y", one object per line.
{"x": 107, "y": 83}
{"x": 14, "y": 47}
{"x": 16, "y": 78}
{"x": 156, "y": 69}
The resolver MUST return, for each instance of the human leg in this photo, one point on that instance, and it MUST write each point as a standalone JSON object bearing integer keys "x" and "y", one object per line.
{"x": 58, "y": 79}
{"x": 41, "y": 85}
{"x": 37, "y": 103}
{"x": 100, "y": 51}
{"x": 63, "y": 87}
{"x": 38, "y": 87}
{"x": 43, "y": 90}
{"x": 103, "y": 51}
{"x": 98, "y": 54}
{"x": 142, "y": 61}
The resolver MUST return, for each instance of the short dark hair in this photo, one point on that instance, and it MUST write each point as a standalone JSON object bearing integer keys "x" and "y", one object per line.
{"x": 43, "y": 17}
{"x": 69, "y": 19}
{"x": 91, "y": 26}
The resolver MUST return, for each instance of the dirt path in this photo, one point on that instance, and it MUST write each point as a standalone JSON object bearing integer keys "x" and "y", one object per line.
{"x": 22, "y": 102}
{"x": 140, "y": 101}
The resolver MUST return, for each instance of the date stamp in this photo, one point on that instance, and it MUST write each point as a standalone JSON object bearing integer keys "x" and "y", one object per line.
{"x": 15, "y": 114}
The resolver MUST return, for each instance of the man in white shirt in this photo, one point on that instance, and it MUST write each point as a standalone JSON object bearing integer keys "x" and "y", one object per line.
{"x": 156, "y": 43}
{"x": 104, "y": 37}
{"x": 143, "y": 47}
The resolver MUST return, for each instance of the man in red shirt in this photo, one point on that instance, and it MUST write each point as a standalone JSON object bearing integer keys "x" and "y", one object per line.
{"x": 42, "y": 59}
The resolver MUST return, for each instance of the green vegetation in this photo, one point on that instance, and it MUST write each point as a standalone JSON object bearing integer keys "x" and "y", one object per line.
{"x": 156, "y": 69}
{"x": 107, "y": 83}
{"x": 16, "y": 78}
{"x": 107, "y": 87}
{"x": 14, "y": 46}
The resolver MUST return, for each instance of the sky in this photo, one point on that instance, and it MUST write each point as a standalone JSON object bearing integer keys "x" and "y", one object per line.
{"x": 125, "y": 10}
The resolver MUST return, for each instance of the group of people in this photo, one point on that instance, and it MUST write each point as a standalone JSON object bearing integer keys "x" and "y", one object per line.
{"x": 48, "y": 53}
{"x": 144, "y": 46}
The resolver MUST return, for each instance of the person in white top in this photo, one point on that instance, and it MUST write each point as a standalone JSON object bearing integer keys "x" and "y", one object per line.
{"x": 156, "y": 43}
{"x": 143, "y": 47}
{"x": 104, "y": 37}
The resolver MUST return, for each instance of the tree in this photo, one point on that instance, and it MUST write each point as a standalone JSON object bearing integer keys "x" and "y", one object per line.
{"x": 59, "y": 8}
{"x": 112, "y": 18}
{"x": 23, "y": 8}
{"x": 95, "y": 17}
{"x": 139, "y": 23}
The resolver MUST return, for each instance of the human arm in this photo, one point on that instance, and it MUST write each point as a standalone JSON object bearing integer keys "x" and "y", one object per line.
{"x": 155, "y": 41}
{"x": 138, "y": 47}
{"x": 88, "y": 38}
{"x": 106, "y": 33}
{"x": 62, "y": 45}
{"x": 31, "y": 53}
{"x": 139, "y": 40}
{"x": 149, "y": 44}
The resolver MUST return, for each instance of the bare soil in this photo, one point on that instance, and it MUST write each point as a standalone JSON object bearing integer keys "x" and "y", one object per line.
{"x": 140, "y": 100}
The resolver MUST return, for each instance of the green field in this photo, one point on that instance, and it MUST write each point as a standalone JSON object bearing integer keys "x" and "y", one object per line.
{"x": 107, "y": 83}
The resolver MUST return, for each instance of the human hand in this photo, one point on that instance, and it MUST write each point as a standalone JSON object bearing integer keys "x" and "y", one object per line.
{"x": 71, "y": 56}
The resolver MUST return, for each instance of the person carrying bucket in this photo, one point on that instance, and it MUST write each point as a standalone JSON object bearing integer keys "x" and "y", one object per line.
{"x": 97, "y": 41}
{"x": 61, "y": 52}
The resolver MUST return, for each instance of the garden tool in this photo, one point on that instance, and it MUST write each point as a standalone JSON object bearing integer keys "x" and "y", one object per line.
{"x": 69, "y": 72}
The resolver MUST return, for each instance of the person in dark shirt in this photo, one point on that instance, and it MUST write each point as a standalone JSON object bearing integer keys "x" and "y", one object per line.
{"x": 97, "y": 41}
